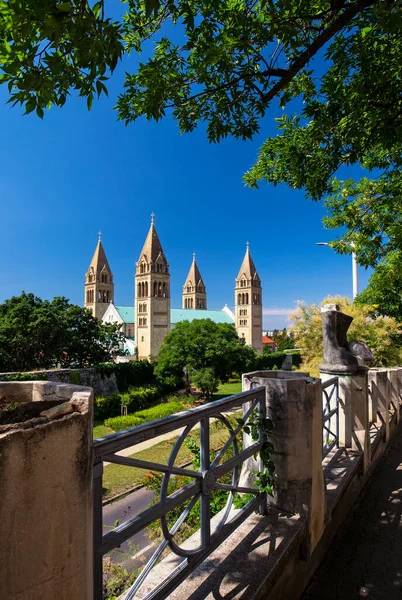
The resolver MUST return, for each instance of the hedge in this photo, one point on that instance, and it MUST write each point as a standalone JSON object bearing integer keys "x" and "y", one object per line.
{"x": 134, "y": 373}
{"x": 135, "y": 399}
{"x": 25, "y": 377}
{"x": 276, "y": 359}
{"x": 145, "y": 416}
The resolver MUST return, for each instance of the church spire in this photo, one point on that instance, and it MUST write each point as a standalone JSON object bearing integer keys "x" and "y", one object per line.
{"x": 152, "y": 249}
{"x": 152, "y": 296}
{"x": 248, "y": 303}
{"x": 247, "y": 268}
{"x": 194, "y": 291}
{"x": 99, "y": 286}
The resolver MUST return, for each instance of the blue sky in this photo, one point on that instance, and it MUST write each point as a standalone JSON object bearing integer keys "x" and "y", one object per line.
{"x": 66, "y": 177}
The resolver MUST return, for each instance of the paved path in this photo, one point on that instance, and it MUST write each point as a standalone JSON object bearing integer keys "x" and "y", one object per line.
{"x": 365, "y": 559}
{"x": 121, "y": 510}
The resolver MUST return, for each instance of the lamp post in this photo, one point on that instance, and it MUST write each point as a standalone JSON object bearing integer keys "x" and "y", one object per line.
{"x": 355, "y": 274}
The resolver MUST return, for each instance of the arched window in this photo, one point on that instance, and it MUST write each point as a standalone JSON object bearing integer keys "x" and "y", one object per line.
{"x": 146, "y": 289}
{"x": 164, "y": 289}
{"x": 246, "y": 298}
{"x": 160, "y": 289}
{"x": 155, "y": 288}
{"x": 139, "y": 290}
{"x": 238, "y": 298}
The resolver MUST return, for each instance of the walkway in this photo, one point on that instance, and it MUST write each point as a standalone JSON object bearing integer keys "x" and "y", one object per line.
{"x": 365, "y": 559}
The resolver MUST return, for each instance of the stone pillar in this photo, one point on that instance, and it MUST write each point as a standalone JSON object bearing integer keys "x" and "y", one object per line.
{"x": 293, "y": 402}
{"x": 379, "y": 398}
{"x": 46, "y": 491}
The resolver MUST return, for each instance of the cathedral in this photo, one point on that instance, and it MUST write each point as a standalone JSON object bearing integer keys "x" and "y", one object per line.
{"x": 146, "y": 324}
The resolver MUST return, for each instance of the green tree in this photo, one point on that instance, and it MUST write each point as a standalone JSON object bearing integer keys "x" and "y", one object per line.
{"x": 206, "y": 381}
{"x": 384, "y": 290}
{"x": 332, "y": 65}
{"x": 202, "y": 344}
{"x": 382, "y": 334}
{"x": 283, "y": 340}
{"x": 41, "y": 334}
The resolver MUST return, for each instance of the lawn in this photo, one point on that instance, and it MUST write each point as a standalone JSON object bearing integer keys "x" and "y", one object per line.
{"x": 227, "y": 389}
{"x": 118, "y": 478}
{"x": 100, "y": 430}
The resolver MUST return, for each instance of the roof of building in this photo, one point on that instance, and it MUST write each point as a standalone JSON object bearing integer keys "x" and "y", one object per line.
{"x": 179, "y": 314}
{"x": 267, "y": 340}
{"x": 126, "y": 313}
{"x": 194, "y": 275}
{"x": 99, "y": 259}
{"x": 247, "y": 266}
{"x": 152, "y": 248}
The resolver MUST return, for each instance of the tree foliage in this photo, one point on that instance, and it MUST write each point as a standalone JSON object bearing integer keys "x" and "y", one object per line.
{"x": 382, "y": 334}
{"x": 202, "y": 344}
{"x": 384, "y": 290}
{"x": 333, "y": 66}
{"x": 41, "y": 334}
{"x": 283, "y": 340}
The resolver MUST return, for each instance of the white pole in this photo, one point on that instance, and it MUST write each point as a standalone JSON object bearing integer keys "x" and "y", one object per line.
{"x": 355, "y": 276}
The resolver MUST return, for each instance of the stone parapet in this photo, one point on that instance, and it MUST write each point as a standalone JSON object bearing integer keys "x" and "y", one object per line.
{"x": 46, "y": 491}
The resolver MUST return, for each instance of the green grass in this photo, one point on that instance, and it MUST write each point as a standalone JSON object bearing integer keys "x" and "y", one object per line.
{"x": 227, "y": 389}
{"x": 100, "y": 430}
{"x": 117, "y": 479}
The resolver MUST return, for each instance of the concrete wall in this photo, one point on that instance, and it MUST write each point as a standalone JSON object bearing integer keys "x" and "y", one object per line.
{"x": 46, "y": 495}
{"x": 86, "y": 377}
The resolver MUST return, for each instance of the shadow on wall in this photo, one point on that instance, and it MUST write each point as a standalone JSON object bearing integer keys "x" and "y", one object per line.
{"x": 365, "y": 559}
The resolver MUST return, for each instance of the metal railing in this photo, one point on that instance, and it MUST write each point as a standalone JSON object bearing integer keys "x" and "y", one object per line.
{"x": 330, "y": 415}
{"x": 206, "y": 479}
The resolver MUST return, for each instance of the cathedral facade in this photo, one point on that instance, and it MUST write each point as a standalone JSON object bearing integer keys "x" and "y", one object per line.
{"x": 147, "y": 323}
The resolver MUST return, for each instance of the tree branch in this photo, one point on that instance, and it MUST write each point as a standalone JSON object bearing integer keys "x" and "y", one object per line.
{"x": 340, "y": 22}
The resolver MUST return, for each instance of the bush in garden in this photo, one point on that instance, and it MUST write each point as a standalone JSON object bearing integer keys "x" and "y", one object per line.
{"x": 145, "y": 416}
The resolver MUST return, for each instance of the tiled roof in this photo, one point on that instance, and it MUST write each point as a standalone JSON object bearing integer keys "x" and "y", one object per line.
{"x": 126, "y": 313}
{"x": 267, "y": 340}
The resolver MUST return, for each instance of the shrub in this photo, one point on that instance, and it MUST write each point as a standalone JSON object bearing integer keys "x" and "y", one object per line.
{"x": 75, "y": 378}
{"x": 25, "y": 377}
{"x": 145, "y": 416}
{"x": 135, "y": 373}
{"x": 107, "y": 406}
{"x": 268, "y": 361}
{"x": 206, "y": 381}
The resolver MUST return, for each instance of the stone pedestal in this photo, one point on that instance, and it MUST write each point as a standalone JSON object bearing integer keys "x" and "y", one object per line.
{"x": 293, "y": 402}
{"x": 353, "y": 408}
{"x": 46, "y": 492}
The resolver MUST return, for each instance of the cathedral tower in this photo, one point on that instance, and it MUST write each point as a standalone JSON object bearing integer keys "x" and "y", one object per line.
{"x": 99, "y": 286}
{"x": 152, "y": 296}
{"x": 194, "y": 292}
{"x": 248, "y": 303}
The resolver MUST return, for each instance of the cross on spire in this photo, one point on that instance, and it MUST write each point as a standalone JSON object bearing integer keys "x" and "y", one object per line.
{"x": 152, "y": 218}
{"x": 247, "y": 246}
{"x": 99, "y": 235}
{"x": 194, "y": 256}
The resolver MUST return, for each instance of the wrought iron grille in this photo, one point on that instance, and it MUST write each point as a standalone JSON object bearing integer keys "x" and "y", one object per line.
{"x": 330, "y": 414}
{"x": 206, "y": 479}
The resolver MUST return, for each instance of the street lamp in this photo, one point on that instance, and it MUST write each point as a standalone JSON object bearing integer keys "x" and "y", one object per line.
{"x": 355, "y": 275}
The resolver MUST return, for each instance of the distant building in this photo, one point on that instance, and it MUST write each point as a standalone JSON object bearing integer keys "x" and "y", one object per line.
{"x": 248, "y": 303}
{"x": 99, "y": 286}
{"x": 146, "y": 324}
{"x": 267, "y": 341}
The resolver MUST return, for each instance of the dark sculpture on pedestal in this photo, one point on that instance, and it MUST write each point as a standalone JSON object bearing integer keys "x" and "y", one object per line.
{"x": 339, "y": 355}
